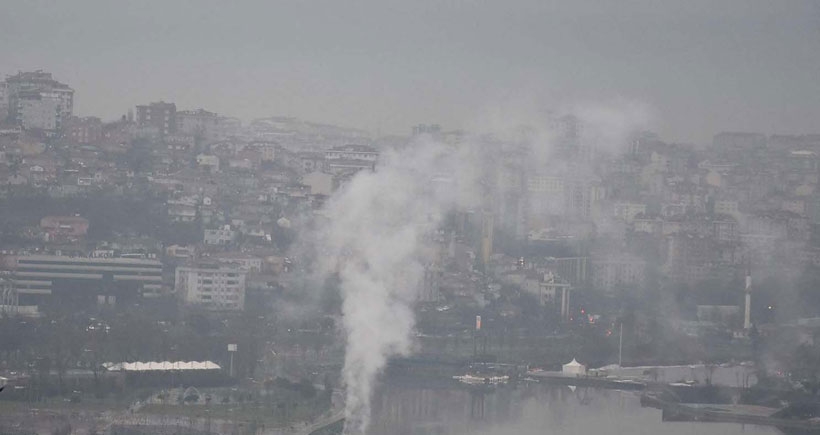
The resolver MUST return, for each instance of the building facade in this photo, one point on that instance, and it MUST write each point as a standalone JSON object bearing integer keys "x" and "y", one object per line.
{"x": 55, "y": 279}
{"x": 215, "y": 287}
{"x": 84, "y": 130}
{"x": 159, "y": 116}
{"x": 35, "y": 98}
{"x": 352, "y": 152}
{"x": 613, "y": 272}
{"x": 39, "y": 111}
{"x": 627, "y": 210}
{"x": 224, "y": 235}
{"x": 198, "y": 123}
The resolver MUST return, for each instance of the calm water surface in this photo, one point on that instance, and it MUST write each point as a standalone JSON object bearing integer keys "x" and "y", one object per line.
{"x": 423, "y": 408}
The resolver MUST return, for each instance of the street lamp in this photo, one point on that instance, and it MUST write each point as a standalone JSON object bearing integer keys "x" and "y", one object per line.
{"x": 231, "y": 350}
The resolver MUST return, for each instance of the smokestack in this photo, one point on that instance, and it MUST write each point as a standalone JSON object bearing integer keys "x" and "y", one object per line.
{"x": 747, "y": 324}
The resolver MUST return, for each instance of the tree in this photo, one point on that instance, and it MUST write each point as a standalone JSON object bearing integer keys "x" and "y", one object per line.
{"x": 138, "y": 157}
{"x": 65, "y": 344}
{"x": 804, "y": 366}
{"x": 808, "y": 291}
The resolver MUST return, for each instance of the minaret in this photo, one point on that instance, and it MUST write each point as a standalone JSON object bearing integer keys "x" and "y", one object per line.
{"x": 747, "y": 323}
{"x": 486, "y": 238}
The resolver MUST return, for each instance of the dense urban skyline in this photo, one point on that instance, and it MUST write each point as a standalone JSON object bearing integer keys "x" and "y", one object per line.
{"x": 409, "y": 217}
{"x": 745, "y": 66}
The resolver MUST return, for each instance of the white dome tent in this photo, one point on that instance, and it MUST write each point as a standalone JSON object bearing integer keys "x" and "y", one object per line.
{"x": 574, "y": 368}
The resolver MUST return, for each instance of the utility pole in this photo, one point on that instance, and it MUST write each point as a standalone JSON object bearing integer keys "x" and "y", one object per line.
{"x": 621, "y": 345}
{"x": 208, "y": 414}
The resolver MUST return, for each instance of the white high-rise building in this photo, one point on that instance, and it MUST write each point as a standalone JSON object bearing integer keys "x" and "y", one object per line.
{"x": 40, "y": 110}
{"x": 214, "y": 287}
{"x": 35, "y": 100}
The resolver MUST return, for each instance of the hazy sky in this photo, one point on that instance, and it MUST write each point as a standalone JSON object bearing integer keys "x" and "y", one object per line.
{"x": 383, "y": 65}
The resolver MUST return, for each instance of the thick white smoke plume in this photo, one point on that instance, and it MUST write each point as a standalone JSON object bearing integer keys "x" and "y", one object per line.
{"x": 377, "y": 230}
{"x": 377, "y": 226}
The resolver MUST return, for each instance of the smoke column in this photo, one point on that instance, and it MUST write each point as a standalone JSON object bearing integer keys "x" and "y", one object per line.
{"x": 376, "y": 229}
{"x": 376, "y": 232}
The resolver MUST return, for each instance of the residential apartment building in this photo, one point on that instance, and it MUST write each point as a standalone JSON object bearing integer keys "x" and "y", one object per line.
{"x": 620, "y": 271}
{"x": 545, "y": 194}
{"x": 220, "y": 236}
{"x": 643, "y": 223}
{"x": 315, "y": 161}
{"x": 35, "y": 100}
{"x": 695, "y": 257}
{"x": 352, "y": 152}
{"x": 581, "y": 198}
{"x": 338, "y": 167}
{"x": 267, "y": 150}
{"x": 246, "y": 262}
{"x": 84, "y": 130}
{"x": 626, "y": 210}
{"x": 215, "y": 287}
{"x": 574, "y": 270}
{"x": 208, "y": 162}
{"x": 39, "y": 111}
{"x": 159, "y": 116}
{"x": 430, "y": 285}
{"x": 198, "y": 123}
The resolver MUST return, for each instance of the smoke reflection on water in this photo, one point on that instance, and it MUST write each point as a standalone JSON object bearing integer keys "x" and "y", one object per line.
{"x": 528, "y": 409}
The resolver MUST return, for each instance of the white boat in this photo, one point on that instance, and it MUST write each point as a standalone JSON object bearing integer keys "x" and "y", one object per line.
{"x": 482, "y": 380}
